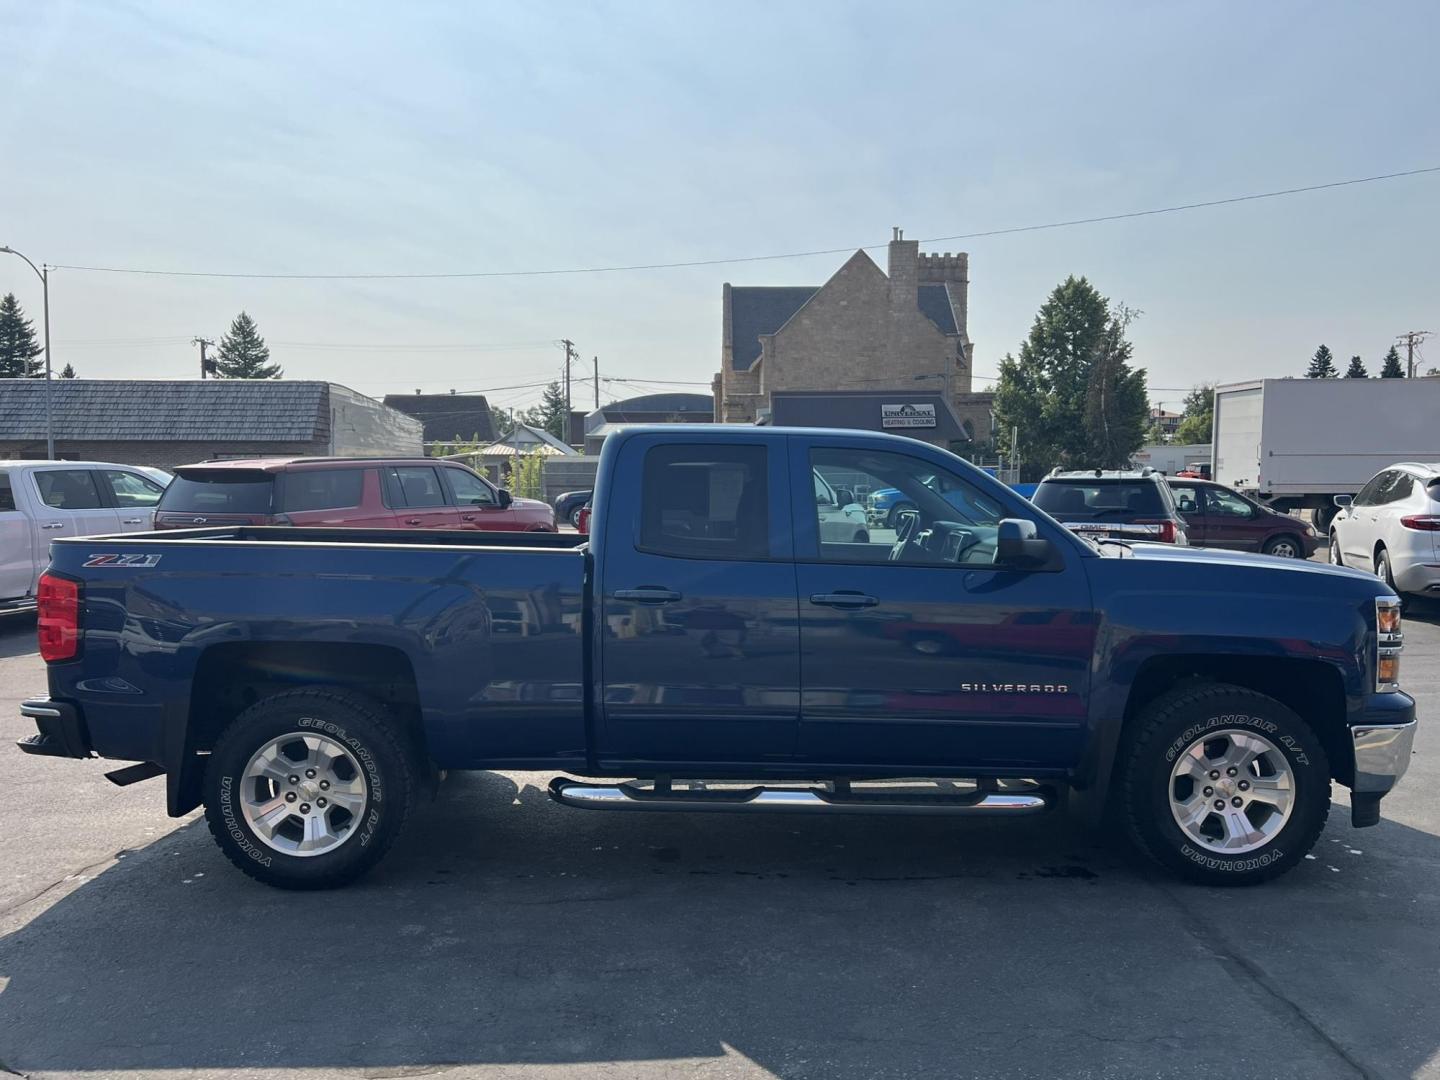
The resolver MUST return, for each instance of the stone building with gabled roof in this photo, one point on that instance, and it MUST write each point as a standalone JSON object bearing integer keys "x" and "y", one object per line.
{"x": 863, "y": 330}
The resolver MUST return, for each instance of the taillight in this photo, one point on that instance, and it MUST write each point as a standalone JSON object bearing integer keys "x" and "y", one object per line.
{"x": 582, "y": 521}
{"x": 1166, "y": 535}
{"x": 57, "y": 605}
{"x": 1423, "y": 522}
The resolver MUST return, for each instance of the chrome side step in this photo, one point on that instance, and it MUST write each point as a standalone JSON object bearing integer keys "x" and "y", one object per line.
{"x": 627, "y": 796}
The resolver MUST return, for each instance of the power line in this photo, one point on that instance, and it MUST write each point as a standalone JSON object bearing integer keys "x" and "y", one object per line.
{"x": 755, "y": 258}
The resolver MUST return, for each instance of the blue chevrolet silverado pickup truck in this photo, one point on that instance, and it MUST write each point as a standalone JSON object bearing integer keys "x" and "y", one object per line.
{"x": 709, "y": 647}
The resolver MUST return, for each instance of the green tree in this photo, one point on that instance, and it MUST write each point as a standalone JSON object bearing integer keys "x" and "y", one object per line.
{"x": 527, "y": 475}
{"x": 18, "y": 347}
{"x": 1322, "y": 364}
{"x": 68, "y": 371}
{"x": 551, "y": 414}
{"x": 1356, "y": 369}
{"x": 1199, "y": 415}
{"x": 1071, "y": 391}
{"x": 243, "y": 353}
{"x": 1391, "y": 368}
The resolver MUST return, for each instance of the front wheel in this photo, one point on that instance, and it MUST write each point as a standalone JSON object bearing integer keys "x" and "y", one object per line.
{"x": 1286, "y": 547}
{"x": 1336, "y": 559}
{"x": 1224, "y": 786}
{"x": 307, "y": 789}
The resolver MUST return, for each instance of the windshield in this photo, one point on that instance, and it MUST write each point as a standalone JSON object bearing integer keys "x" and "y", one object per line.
{"x": 226, "y": 491}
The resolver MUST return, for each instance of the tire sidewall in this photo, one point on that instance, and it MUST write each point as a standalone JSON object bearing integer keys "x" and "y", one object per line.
{"x": 1178, "y": 729}
{"x": 1275, "y": 541}
{"x": 302, "y": 715}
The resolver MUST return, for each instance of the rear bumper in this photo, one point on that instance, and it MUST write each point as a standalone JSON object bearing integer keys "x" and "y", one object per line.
{"x": 1421, "y": 577}
{"x": 61, "y": 730}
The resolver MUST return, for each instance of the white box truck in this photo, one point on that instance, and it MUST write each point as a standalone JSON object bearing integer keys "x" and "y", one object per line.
{"x": 1297, "y": 443}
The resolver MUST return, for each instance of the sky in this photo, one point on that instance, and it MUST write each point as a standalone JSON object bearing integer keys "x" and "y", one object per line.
{"x": 435, "y": 138}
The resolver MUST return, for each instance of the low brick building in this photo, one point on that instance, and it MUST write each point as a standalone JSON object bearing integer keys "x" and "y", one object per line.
{"x": 863, "y": 330}
{"x": 168, "y": 422}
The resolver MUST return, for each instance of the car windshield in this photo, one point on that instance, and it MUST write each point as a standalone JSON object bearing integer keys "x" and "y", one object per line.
{"x": 1079, "y": 500}
{"x": 218, "y": 491}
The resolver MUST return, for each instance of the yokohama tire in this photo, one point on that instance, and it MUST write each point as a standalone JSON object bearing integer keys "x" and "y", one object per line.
{"x": 353, "y": 724}
{"x": 1180, "y": 720}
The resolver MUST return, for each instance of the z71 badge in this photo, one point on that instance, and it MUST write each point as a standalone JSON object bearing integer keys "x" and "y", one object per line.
{"x": 122, "y": 560}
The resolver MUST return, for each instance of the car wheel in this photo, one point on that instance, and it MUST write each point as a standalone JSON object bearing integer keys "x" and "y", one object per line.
{"x": 1324, "y": 515}
{"x": 1224, "y": 786}
{"x": 1382, "y": 570}
{"x": 1336, "y": 559}
{"x": 307, "y": 789}
{"x": 575, "y": 516}
{"x": 861, "y": 537}
{"x": 892, "y": 519}
{"x": 1286, "y": 547}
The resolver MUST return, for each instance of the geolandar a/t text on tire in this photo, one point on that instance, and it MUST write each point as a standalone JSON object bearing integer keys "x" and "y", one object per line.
{"x": 307, "y": 789}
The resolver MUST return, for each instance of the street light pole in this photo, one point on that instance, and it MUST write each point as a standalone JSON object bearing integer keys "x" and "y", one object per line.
{"x": 44, "y": 276}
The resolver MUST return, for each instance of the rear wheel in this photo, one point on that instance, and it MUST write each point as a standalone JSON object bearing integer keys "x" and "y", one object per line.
{"x": 309, "y": 788}
{"x": 1324, "y": 515}
{"x": 1224, "y": 786}
{"x": 575, "y": 516}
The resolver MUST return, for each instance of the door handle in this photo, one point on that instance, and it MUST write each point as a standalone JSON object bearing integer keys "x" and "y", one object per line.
{"x": 648, "y": 594}
{"x": 53, "y": 525}
{"x": 412, "y": 521}
{"x": 843, "y": 599}
{"x": 133, "y": 521}
{"x": 467, "y": 517}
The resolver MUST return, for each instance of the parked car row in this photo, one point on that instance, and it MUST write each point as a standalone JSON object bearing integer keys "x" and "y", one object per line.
{"x": 42, "y": 500}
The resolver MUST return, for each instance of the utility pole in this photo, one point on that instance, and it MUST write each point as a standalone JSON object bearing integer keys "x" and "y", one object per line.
{"x": 204, "y": 343}
{"x": 569, "y": 357}
{"x": 1412, "y": 338}
{"x": 595, "y": 360}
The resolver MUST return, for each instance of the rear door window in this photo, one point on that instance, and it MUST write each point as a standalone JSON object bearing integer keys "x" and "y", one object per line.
{"x": 7, "y": 494}
{"x": 415, "y": 486}
{"x": 708, "y": 502}
{"x": 321, "y": 489}
{"x": 69, "y": 489}
{"x": 219, "y": 491}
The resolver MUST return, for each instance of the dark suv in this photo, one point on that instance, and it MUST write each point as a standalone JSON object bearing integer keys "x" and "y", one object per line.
{"x": 1123, "y": 505}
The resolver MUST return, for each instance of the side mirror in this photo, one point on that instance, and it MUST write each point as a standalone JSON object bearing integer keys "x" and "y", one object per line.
{"x": 1343, "y": 501}
{"x": 1018, "y": 548}
{"x": 844, "y": 496}
{"x": 505, "y": 499}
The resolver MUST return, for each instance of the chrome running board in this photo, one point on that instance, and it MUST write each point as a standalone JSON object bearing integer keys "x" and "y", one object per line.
{"x": 627, "y": 796}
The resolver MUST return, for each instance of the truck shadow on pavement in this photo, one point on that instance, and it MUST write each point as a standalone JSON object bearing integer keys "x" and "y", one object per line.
{"x": 504, "y": 930}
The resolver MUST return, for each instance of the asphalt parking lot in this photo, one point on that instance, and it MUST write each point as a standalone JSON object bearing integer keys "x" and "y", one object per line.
{"x": 509, "y": 937}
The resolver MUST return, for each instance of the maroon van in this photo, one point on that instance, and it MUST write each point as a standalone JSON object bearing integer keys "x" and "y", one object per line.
{"x": 392, "y": 493}
{"x": 1218, "y": 517}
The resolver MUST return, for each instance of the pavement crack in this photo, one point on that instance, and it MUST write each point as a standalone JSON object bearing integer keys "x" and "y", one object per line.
{"x": 85, "y": 872}
{"x": 1216, "y": 942}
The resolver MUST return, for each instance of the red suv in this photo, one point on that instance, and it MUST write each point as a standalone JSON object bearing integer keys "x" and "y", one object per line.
{"x": 401, "y": 493}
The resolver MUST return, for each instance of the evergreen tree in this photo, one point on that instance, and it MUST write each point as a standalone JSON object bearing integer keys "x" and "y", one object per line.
{"x": 1392, "y": 368}
{"x": 1199, "y": 415}
{"x": 1356, "y": 369}
{"x": 243, "y": 353}
{"x": 1322, "y": 364}
{"x": 551, "y": 413}
{"x": 18, "y": 347}
{"x": 1071, "y": 391}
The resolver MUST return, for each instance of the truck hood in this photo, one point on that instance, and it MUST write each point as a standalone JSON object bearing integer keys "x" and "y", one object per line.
{"x": 1217, "y": 557}
{"x": 517, "y": 503}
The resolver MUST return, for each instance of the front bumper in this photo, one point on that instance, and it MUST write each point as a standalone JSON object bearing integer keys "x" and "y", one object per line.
{"x": 61, "y": 731}
{"x": 1382, "y": 754}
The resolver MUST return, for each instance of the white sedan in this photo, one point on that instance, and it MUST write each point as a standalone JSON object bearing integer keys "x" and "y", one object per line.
{"x": 1392, "y": 527}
